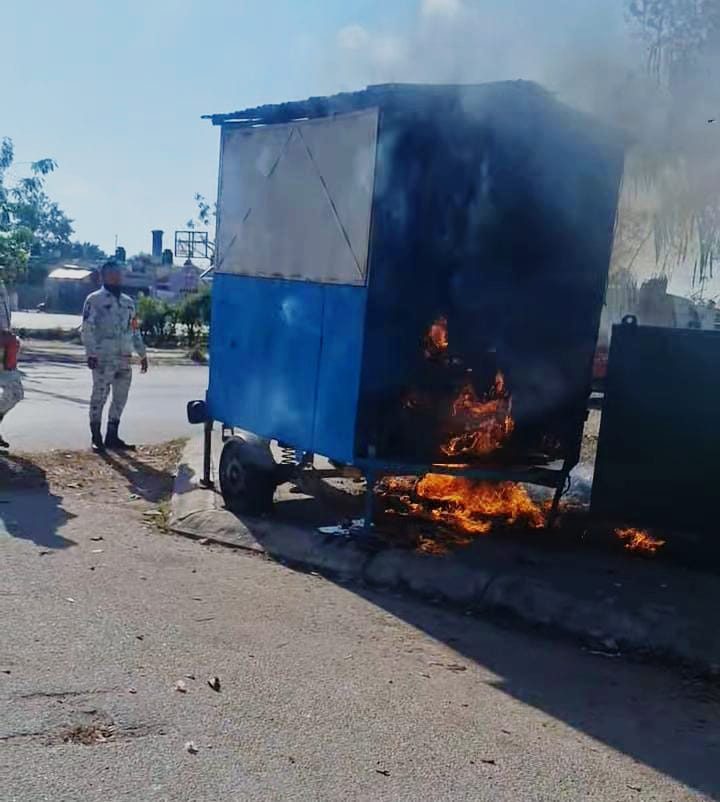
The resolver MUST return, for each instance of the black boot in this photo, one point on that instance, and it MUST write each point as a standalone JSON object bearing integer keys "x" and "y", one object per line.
{"x": 97, "y": 440}
{"x": 113, "y": 441}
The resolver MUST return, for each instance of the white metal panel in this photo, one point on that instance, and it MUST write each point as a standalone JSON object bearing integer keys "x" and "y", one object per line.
{"x": 295, "y": 200}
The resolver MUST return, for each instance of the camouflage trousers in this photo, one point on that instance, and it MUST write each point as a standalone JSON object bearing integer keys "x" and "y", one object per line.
{"x": 11, "y": 391}
{"x": 110, "y": 373}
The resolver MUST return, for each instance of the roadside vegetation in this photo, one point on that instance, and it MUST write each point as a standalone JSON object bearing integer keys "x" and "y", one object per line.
{"x": 175, "y": 325}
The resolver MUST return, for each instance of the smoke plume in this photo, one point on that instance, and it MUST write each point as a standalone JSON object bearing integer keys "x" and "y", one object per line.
{"x": 592, "y": 57}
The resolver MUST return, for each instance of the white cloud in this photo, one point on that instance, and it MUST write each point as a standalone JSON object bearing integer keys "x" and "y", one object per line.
{"x": 440, "y": 8}
{"x": 353, "y": 37}
{"x": 380, "y": 52}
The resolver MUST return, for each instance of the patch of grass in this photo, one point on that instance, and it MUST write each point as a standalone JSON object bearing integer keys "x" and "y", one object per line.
{"x": 159, "y": 517}
{"x": 64, "y": 335}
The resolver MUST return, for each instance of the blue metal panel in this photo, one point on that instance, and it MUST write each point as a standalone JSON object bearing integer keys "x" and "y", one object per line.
{"x": 339, "y": 374}
{"x": 264, "y": 356}
{"x": 285, "y": 360}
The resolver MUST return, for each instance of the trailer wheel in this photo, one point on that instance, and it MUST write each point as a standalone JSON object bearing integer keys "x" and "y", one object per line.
{"x": 247, "y": 488}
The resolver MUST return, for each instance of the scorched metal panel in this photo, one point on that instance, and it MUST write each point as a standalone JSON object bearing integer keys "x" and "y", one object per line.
{"x": 659, "y": 437}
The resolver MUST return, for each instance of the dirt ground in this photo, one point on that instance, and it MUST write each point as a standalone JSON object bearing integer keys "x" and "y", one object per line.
{"x": 146, "y": 474}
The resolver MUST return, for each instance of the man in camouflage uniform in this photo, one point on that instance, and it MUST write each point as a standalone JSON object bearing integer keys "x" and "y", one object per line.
{"x": 11, "y": 389}
{"x": 110, "y": 335}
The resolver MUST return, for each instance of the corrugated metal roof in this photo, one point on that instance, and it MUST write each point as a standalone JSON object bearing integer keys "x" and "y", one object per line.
{"x": 442, "y": 99}
{"x": 70, "y": 274}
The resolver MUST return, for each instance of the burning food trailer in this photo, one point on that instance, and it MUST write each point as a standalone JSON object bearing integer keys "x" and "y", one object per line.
{"x": 408, "y": 279}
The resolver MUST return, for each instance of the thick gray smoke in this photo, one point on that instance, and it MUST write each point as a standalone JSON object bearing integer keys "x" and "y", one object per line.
{"x": 589, "y": 54}
{"x": 554, "y": 43}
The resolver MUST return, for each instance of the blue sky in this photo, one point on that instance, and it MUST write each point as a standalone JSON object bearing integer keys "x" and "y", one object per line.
{"x": 114, "y": 90}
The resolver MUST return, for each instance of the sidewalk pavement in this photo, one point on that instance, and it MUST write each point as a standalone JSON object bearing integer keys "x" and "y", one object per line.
{"x": 45, "y": 321}
{"x": 613, "y": 601}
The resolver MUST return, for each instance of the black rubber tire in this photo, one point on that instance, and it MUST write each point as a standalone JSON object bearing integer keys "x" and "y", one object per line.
{"x": 246, "y": 488}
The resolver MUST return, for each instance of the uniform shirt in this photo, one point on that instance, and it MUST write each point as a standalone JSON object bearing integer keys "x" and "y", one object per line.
{"x": 5, "y": 316}
{"x": 110, "y": 328}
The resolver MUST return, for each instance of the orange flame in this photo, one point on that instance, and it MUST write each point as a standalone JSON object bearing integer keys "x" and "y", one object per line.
{"x": 436, "y": 340}
{"x": 474, "y": 506}
{"x": 462, "y": 507}
{"x": 465, "y": 506}
{"x": 640, "y": 540}
{"x": 487, "y": 422}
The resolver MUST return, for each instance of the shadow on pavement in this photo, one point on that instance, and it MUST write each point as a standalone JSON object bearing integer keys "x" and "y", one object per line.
{"x": 667, "y": 720}
{"x": 38, "y": 355}
{"x": 28, "y": 510}
{"x": 143, "y": 480}
{"x": 84, "y": 402}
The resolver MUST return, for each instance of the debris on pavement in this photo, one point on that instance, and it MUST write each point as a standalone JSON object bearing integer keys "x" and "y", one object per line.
{"x": 204, "y": 541}
{"x": 384, "y": 772}
{"x": 191, "y": 748}
{"x": 97, "y": 538}
{"x": 450, "y": 666}
{"x": 180, "y": 686}
{"x": 214, "y": 683}
{"x": 343, "y": 529}
{"x": 88, "y": 735}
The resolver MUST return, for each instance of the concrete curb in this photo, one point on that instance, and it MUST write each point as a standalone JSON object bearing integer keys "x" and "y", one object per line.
{"x": 661, "y": 630}
{"x": 72, "y": 352}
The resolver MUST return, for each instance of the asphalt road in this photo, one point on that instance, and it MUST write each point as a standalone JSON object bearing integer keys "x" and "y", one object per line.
{"x": 328, "y": 692}
{"x": 54, "y": 413}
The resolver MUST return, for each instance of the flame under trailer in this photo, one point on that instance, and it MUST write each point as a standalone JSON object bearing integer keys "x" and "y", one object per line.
{"x": 349, "y": 227}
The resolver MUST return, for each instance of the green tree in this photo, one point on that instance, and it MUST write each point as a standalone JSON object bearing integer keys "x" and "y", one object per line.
{"x": 86, "y": 250}
{"x": 194, "y": 312}
{"x": 33, "y": 225}
{"x": 205, "y": 218}
{"x": 205, "y": 212}
{"x": 24, "y": 210}
{"x": 682, "y": 38}
{"x": 158, "y": 320}
{"x": 14, "y": 253}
